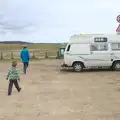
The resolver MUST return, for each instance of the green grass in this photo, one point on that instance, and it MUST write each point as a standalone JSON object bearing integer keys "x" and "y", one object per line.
{"x": 51, "y": 49}
{"x": 42, "y": 46}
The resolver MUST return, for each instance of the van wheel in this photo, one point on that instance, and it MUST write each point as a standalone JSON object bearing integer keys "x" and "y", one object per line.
{"x": 116, "y": 66}
{"x": 77, "y": 67}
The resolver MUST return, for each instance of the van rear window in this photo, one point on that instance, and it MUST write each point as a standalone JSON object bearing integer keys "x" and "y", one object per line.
{"x": 68, "y": 48}
{"x": 115, "y": 46}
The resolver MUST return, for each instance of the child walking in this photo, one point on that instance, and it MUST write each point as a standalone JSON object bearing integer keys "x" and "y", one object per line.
{"x": 13, "y": 77}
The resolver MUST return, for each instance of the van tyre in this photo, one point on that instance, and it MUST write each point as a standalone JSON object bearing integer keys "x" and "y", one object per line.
{"x": 77, "y": 67}
{"x": 116, "y": 66}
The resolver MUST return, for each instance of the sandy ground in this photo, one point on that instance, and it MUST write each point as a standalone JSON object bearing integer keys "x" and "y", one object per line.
{"x": 50, "y": 94}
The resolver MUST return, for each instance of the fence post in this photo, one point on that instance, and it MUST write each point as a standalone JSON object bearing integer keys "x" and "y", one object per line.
{"x": 58, "y": 56}
{"x": 33, "y": 55}
{"x": 46, "y": 54}
{"x": 1, "y": 56}
{"x": 12, "y": 56}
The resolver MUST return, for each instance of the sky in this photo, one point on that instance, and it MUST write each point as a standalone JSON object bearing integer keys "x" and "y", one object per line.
{"x": 56, "y": 20}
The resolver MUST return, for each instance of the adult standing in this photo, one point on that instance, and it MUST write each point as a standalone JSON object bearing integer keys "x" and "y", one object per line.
{"x": 25, "y": 57}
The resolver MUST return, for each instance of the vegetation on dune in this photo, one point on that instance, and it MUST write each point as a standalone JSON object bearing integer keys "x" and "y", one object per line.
{"x": 44, "y": 46}
{"x": 37, "y": 50}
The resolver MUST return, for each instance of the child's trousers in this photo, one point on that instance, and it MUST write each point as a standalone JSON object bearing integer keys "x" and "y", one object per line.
{"x": 11, "y": 82}
{"x": 25, "y": 66}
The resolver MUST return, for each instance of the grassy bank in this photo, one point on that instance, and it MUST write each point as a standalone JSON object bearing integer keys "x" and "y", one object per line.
{"x": 46, "y": 46}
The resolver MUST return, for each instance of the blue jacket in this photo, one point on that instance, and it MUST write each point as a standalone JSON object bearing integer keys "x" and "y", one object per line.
{"x": 25, "y": 55}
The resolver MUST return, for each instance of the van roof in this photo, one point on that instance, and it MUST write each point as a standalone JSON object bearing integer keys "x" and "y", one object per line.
{"x": 89, "y": 38}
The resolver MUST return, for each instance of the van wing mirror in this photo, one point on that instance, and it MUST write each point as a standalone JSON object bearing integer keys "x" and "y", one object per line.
{"x": 91, "y": 52}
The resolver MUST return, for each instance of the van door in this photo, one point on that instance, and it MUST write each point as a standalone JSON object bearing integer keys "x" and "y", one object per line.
{"x": 77, "y": 52}
{"x": 100, "y": 54}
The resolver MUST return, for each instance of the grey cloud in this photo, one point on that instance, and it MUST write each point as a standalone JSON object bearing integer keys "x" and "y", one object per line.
{"x": 55, "y": 20}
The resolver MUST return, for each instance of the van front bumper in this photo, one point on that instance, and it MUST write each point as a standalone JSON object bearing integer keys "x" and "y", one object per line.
{"x": 64, "y": 65}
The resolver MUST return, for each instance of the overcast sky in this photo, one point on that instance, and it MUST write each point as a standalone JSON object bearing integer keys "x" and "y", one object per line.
{"x": 56, "y": 20}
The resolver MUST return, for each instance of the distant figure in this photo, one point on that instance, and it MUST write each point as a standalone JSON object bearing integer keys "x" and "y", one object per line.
{"x": 25, "y": 57}
{"x": 13, "y": 77}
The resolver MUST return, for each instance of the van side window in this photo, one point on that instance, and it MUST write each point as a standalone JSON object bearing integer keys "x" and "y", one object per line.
{"x": 99, "y": 47}
{"x": 115, "y": 46}
{"x": 68, "y": 48}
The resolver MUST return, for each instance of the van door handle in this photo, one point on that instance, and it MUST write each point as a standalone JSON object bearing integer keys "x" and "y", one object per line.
{"x": 111, "y": 53}
{"x": 67, "y": 53}
{"x": 91, "y": 52}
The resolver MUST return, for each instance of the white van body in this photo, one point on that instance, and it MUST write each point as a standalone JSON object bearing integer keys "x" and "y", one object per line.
{"x": 93, "y": 51}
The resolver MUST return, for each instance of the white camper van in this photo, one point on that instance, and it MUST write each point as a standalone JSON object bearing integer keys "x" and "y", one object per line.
{"x": 87, "y": 51}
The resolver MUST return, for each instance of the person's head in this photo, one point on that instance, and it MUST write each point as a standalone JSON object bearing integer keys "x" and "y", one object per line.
{"x": 14, "y": 63}
{"x": 24, "y": 46}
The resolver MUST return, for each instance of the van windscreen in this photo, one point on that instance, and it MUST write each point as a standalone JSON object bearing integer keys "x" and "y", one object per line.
{"x": 68, "y": 48}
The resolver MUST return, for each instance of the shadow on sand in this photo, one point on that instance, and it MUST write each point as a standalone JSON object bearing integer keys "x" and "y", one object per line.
{"x": 88, "y": 70}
